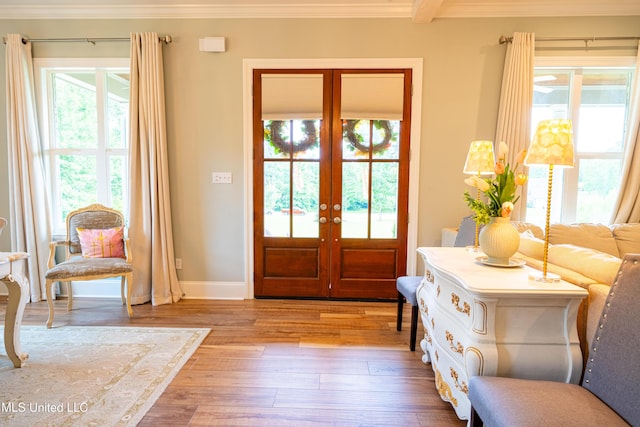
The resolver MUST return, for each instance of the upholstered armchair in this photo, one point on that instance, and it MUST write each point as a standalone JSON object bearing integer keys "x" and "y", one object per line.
{"x": 3, "y": 222}
{"x": 96, "y": 247}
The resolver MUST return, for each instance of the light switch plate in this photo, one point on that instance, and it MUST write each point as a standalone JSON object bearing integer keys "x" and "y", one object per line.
{"x": 221, "y": 177}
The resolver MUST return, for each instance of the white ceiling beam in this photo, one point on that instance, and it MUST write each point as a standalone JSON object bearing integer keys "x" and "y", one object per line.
{"x": 425, "y": 10}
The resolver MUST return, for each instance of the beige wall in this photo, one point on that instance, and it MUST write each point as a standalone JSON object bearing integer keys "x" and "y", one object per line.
{"x": 462, "y": 74}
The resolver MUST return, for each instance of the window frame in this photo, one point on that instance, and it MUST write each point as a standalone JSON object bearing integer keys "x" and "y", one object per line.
{"x": 43, "y": 68}
{"x": 569, "y": 197}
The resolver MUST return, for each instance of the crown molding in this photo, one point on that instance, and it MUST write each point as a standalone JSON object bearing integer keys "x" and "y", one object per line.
{"x": 228, "y": 11}
{"x": 536, "y": 8}
{"x": 418, "y": 10}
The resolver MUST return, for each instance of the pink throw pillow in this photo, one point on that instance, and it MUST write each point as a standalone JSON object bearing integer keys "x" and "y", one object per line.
{"x": 107, "y": 243}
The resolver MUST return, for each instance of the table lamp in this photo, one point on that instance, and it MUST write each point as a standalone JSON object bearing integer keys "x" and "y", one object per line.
{"x": 480, "y": 161}
{"x": 552, "y": 145}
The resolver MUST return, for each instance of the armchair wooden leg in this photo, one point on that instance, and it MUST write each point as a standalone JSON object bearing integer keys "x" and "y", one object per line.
{"x": 70, "y": 300}
{"x": 129, "y": 283}
{"x": 122, "y": 285}
{"x": 48, "y": 285}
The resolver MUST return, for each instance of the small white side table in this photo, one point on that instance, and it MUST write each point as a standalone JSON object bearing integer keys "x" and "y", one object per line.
{"x": 12, "y": 268}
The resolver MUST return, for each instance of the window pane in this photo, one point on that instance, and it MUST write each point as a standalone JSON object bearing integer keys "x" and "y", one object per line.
{"x": 118, "y": 109}
{"x": 276, "y": 199}
{"x": 306, "y": 192}
{"x": 117, "y": 184}
{"x": 537, "y": 194}
{"x": 355, "y": 200}
{"x": 603, "y": 111}
{"x": 74, "y": 105}
{"x": 78, "y": 182}
{"x": 599, "y": 180}
{"x": 384, "y": 200}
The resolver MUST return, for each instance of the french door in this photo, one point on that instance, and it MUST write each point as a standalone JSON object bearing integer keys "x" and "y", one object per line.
{"x": 331, "y": 174}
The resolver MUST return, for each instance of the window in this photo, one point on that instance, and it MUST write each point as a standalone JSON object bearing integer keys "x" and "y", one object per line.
{"x": 85, "y": 126}
{"x": 595, "y": 96}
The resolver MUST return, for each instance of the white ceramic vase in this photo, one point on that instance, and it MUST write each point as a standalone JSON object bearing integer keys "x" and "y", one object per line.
{"x": 499, "y": 240}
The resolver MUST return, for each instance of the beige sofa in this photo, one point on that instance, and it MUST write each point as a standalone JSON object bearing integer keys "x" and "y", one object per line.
{"x": 587, "y": 255}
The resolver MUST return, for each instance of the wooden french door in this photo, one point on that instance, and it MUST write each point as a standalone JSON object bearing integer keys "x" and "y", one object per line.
{"x": 331, "y": 175}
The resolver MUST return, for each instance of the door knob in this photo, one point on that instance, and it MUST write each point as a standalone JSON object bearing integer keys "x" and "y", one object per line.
{"x": 323, "y": 207}
{"x": 336, "y": 207}
{"x": 322, "y": 220}
{"x": 337, "y": 220}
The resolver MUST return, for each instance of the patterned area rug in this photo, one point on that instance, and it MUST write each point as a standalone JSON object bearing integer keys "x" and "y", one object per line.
{"x": 91, "y": 376}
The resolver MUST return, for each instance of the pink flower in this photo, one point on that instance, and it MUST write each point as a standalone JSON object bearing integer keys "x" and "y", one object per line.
{"x": 507, "y": 208}
{"x": 499, "y": 169}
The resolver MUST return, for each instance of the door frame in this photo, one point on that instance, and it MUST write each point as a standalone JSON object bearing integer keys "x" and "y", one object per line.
{"x": 248, "y": 65}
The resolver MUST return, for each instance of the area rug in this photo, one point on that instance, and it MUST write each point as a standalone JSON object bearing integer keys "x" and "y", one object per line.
{"x": 91, "y": 376}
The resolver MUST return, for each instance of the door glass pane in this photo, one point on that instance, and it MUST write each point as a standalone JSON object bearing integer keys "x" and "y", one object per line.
{"x": 78, "y": 182}
{"x": 117, "y": 109}
{"x": 306, "y": 192}
{"x": 386, "y": 141}
{"x": 355, "y": 200}
{"x": 74, "y": 104}
{"x": 384, "y": 200}
{"x": 356, "y": 138}
{"x": 277, "y": 139}
{"x": 599, "y": 180}
{"x": 276, "y": 199}
{"x": 305, "y": 135}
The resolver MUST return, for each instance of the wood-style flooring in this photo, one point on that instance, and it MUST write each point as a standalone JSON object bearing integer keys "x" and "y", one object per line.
{"x": 281, "y": 363}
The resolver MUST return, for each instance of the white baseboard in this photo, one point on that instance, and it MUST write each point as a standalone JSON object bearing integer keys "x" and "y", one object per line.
{"x": 193, "y": 290}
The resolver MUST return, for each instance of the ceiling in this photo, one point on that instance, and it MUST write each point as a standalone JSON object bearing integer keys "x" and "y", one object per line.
{"x": 417, "y": 10}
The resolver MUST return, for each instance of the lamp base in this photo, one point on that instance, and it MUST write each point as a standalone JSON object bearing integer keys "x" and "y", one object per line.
{"x": 473, "y": 248}
{"x": 538, "y": 276}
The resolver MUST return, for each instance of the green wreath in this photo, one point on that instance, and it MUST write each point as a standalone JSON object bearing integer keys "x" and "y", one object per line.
{"x": 283, "y": 146}
{"x": 355, "y": 140}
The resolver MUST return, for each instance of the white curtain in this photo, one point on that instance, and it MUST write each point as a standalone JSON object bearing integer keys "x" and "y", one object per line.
{"x": 150, "y": 230}
{"x": 627, "y": 207}
{"x": 516, "y": 101}
{"x": 29, "y": 217}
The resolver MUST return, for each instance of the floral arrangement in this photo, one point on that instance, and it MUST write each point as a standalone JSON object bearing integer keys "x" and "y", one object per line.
{"x": 500, "y": 191}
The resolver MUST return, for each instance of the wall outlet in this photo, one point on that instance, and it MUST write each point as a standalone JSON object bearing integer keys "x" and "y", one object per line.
{"x": 178, "y": 263}
{"x": 221, "y": 177}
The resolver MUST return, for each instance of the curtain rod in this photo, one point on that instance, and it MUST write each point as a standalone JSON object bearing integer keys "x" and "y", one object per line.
{"x": 92, "y": 40}
{"x": 505, "y": 39}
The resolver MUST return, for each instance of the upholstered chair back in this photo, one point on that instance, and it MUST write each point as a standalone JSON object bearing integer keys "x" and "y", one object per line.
{"x": 92, "y": 217}
{"x": 3, "y": 222}
{"x": 612, "y": 371}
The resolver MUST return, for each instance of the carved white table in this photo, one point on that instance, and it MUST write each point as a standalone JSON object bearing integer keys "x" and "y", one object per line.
{"x": 483, "y": 320}
{"x": 12, "y": 267}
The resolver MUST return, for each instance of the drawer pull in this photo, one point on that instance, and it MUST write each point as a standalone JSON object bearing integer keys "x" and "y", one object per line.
{"x": 429, "y": 275}
{"x": 457, "y": 348}
{"x": 466, "y": 308}
{"x": 463, "y": 388}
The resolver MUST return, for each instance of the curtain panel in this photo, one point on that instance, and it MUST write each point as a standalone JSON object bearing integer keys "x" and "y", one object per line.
{"x": 29, "y": 216}
{"x": 150, "y": 229}
{"x": 627, "y": 207}
{"x": 516, "y": 101}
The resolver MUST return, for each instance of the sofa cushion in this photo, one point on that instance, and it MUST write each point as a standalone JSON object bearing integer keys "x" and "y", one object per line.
{"x": 594, "y": 236}
{"x": 530, "y": 245}
{"x": 627, "y": 238}
{"x": 599, "y": 266}
{"x": 566, "y": 274}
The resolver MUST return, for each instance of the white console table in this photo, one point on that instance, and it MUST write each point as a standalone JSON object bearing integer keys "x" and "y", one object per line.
{"x": 484, "y": 320}
{"x": 12, "y": 274}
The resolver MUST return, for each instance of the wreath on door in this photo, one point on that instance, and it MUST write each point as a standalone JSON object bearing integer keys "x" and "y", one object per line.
{"x": 356, "y": 140}
{"x": 281, "y": 142}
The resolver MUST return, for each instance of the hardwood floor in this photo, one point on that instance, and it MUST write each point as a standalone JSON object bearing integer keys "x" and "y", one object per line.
{"x": 281, "y": 363}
